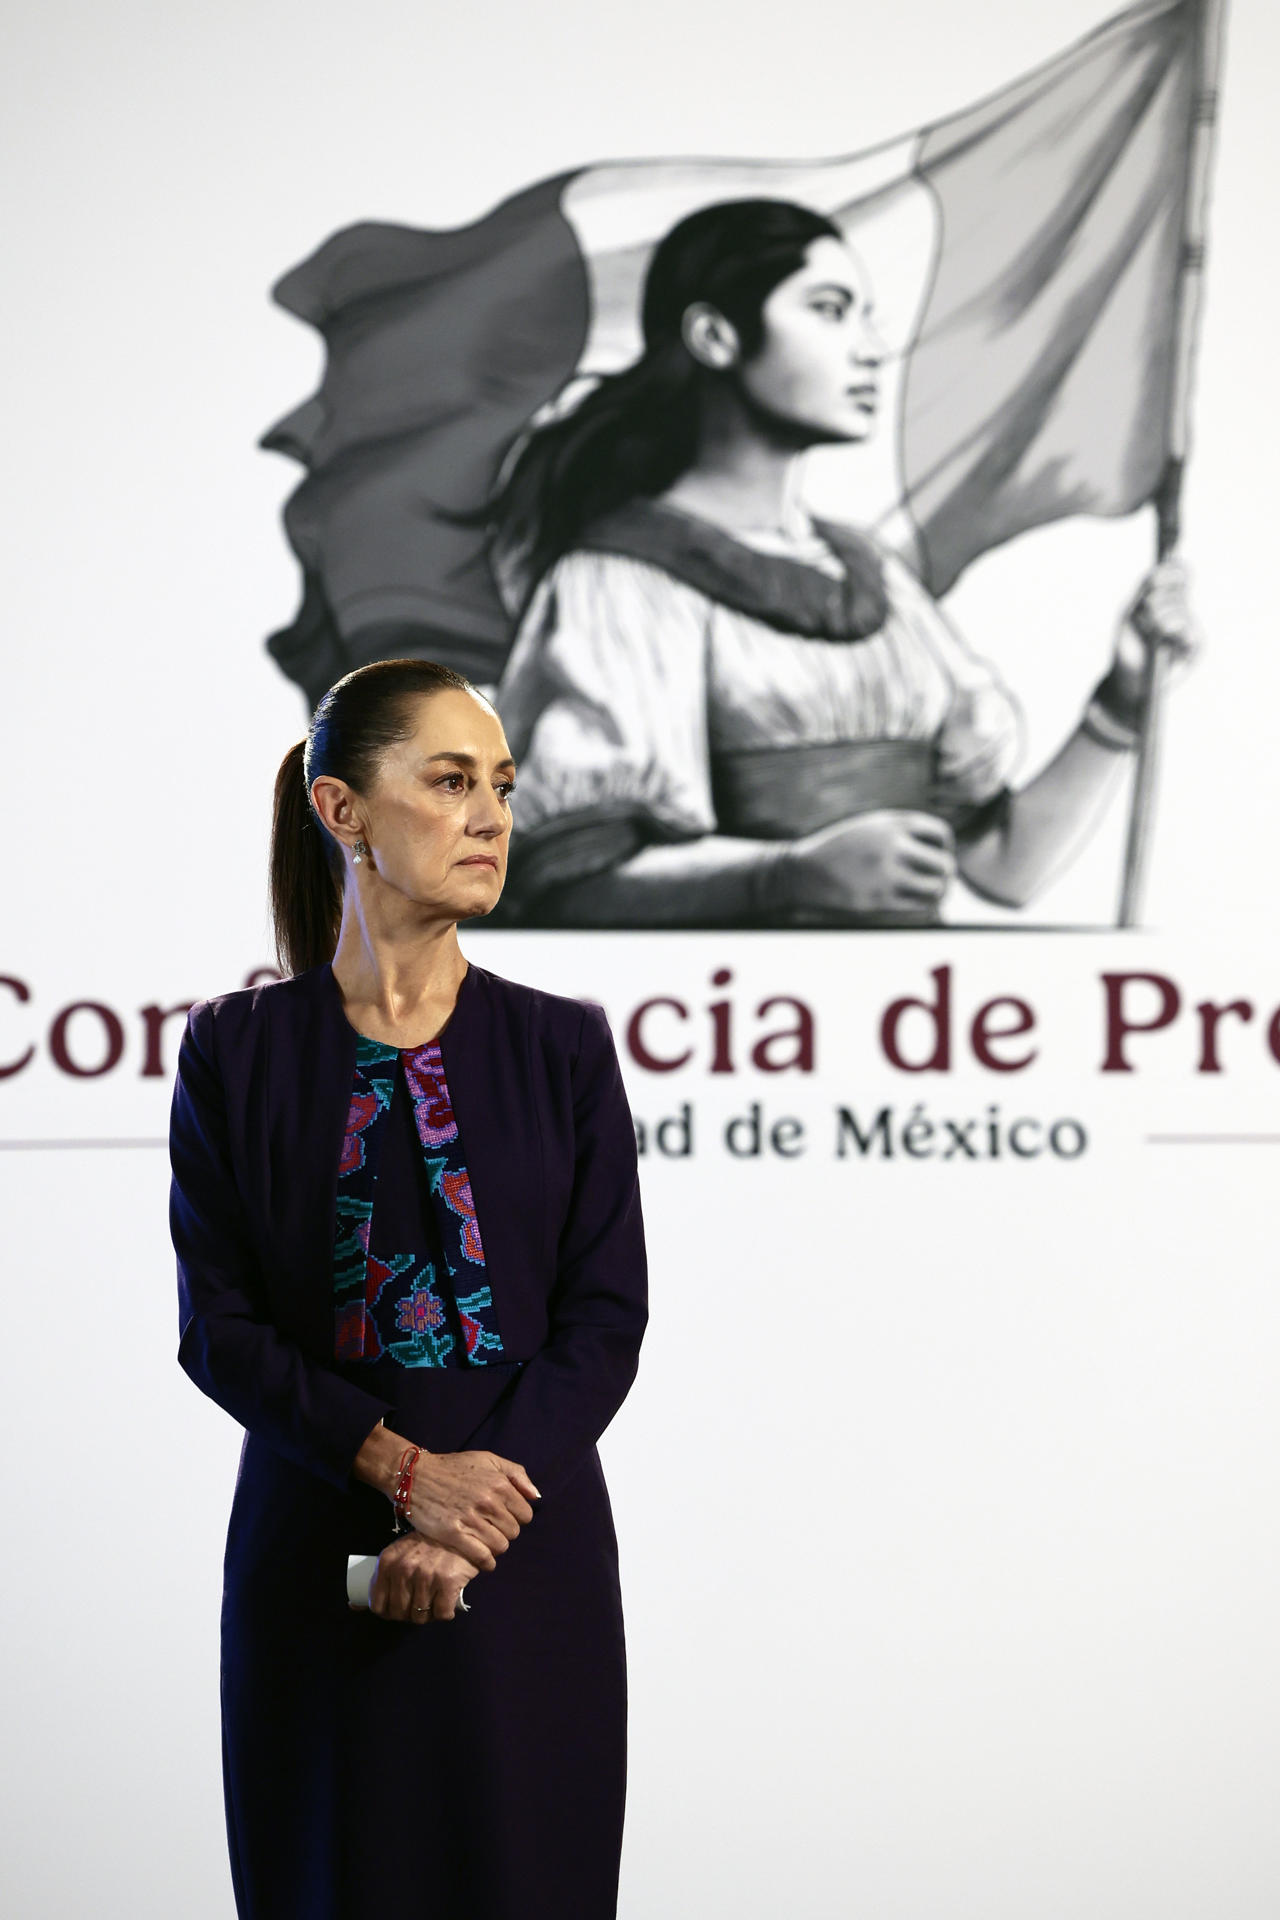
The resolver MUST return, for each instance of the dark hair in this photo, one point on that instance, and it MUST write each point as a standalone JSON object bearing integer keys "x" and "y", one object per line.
{"x": 356, "y": 721}
{"x": 636, "y": 431}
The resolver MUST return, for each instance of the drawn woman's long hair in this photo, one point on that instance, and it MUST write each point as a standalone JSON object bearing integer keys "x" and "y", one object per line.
{"x": 636, "y": 432}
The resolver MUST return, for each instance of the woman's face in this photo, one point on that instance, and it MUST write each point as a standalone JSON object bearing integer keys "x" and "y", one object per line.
{"x": 437, "y": 817}
{"x": 816, "y": 372}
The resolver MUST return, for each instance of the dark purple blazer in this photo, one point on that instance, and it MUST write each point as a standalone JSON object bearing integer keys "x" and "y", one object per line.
{"x": 259, "y": 1111}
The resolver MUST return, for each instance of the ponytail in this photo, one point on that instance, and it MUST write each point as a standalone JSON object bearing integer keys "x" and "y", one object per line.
{"x": 306, "y": 903}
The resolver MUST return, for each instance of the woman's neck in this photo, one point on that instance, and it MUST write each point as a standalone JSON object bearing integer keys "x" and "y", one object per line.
{"x": 398, "y": 985}
{"x": 741, "y": 482}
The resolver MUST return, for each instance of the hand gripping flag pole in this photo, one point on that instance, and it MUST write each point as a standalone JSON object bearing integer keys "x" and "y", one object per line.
{"x": 1168, "y": 498}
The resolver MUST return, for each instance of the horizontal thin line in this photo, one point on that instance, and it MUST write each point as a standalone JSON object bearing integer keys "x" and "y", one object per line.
{"x": 1153, "y": 1139}
{"x": 1213, "y": 1139}
{"x": 39, "y": 1146}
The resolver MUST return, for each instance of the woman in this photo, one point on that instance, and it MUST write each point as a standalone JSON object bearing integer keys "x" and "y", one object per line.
{"x": 411, "y": 1264}
{"x": 727, "y": 711}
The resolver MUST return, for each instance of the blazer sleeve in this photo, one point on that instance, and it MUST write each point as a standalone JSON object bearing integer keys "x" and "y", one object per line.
{"x": 228, "y": 1344}
{"x": 567, "y": 1394}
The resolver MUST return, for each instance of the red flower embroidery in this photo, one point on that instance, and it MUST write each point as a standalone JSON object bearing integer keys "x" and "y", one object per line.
{"x": 456, "y": 1188}
{"x": 432, "y": 1111}
{"x": 361, "y": 1111}
{"x": 351, "y": 1334}
{"x": 376, "y": 1275}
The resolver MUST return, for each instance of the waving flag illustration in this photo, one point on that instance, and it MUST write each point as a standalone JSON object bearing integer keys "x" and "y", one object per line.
{"x": 1030, "y": 265}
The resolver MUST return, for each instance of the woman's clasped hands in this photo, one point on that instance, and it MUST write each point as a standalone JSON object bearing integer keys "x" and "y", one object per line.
{"x": 464, "y": 1510}
{"x": 417, "y": 1581}
{"x": 474, "y": 1503}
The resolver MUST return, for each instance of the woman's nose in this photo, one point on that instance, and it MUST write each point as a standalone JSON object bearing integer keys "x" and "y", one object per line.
{"x": 870, "y": 348}
{"x": 491, "y": 814}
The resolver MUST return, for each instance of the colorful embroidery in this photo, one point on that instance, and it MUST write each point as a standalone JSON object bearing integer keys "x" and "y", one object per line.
{"x": 411, "y": 1308}
{"x": 424, "y": 1070}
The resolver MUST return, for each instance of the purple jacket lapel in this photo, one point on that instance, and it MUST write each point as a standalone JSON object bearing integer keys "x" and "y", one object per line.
{"x": 311, "y": 1064}
{"x": 485, "y": 1049}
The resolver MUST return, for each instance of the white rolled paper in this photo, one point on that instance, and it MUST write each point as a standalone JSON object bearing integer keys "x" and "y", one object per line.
{"x": 361, "y": 1568}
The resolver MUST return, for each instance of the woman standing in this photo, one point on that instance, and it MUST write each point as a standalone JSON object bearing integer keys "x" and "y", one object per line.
{"x": 728, "y": 711}
{"x": 411, "y": 1264}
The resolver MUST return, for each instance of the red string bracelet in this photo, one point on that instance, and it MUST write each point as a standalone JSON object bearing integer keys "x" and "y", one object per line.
{"x": 404, "y": 1487}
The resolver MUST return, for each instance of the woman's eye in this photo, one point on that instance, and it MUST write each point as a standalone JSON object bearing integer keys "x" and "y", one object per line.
{"x": 447, "y": 779}
{"x": 830, "y": 309}
{"x": 506, "y": 788}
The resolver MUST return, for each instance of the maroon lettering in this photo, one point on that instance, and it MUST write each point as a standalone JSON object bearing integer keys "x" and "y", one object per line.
{"x": 642, "y": 1054}
{"x": 801, "y": 1056}
{"x": 153, "y": 1019}
{"x": 983, "y": 1034}
{"x": 1121, "y": 1023}
{"x": 937, "y": 1012}
{"x": 22, "y": 992}
{"x": 721, "y": 1012}
{"x": 1210, "y": 1014}
{"x": 111, "y": 1028}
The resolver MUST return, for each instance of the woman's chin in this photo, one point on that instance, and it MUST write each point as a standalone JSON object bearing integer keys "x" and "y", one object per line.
{"x": 478, "y": 894}
{"x": 477, "y": 910}
{"x": 847, "y": 430}
{"x": 861, "y": 424}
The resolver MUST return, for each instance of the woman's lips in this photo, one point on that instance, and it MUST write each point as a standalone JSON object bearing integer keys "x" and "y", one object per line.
{"x": 480, "y": 860}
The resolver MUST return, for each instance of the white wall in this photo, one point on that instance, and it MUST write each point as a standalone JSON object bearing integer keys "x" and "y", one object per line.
{"x": 947, "y": 1495}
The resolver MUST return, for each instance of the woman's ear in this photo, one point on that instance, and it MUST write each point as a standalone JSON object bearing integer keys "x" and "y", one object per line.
{"x": 711, "y": 339}
{"x": 334, "y": 801}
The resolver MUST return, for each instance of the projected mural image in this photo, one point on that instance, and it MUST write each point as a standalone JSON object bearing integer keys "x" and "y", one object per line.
{"x": 679, "y": 461}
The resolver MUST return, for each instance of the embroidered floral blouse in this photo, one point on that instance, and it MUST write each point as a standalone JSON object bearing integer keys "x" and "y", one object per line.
{"x": 410, "y": 1284}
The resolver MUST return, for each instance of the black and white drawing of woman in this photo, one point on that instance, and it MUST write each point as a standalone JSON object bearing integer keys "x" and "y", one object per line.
{"x": 728, "y": 711}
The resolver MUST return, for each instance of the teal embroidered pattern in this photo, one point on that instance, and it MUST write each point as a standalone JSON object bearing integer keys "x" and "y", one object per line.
{"x": 419, "y": 1310}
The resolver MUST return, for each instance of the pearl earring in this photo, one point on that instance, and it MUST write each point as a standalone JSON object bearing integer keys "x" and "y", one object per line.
{"x": 358, "y": 852}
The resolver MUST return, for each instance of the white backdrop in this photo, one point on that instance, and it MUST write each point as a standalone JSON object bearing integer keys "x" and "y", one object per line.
{"x": 947, "y": 1494}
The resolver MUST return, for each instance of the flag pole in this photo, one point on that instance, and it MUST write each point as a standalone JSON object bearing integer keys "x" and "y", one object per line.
{"x": 1168, "y": 498}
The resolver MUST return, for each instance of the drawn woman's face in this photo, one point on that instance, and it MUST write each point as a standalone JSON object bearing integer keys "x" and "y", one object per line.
{"x": 817, "y": 370}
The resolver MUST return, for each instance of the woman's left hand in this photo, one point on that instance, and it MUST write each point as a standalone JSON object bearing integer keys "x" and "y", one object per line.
{"x": 418, "y": 1581}
{"x": 1159, "y": 616}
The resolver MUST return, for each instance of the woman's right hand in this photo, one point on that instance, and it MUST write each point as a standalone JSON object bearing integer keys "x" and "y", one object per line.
{"x": 890, "y": 861}
{"x": 416, "y": 1581}
{"x": 474, "y": 1503}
